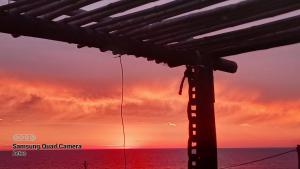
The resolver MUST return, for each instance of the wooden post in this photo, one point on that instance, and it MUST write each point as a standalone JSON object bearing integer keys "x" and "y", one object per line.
{"x": 298, "y": 150}
{"x": 85, "y": 165}
{"x": 202, "y": 143}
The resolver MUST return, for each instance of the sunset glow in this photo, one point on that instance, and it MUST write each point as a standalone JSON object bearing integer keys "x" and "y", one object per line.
{"x": 64, "y": 95}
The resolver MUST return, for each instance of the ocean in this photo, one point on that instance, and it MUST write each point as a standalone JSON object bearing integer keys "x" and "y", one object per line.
{"x": 143, "y": 159}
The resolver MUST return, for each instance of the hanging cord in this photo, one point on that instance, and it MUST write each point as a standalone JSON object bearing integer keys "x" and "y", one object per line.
{"x": 121, "y": 109}
{"x": 185, "y": 75}
{"x": 258, "y": 160}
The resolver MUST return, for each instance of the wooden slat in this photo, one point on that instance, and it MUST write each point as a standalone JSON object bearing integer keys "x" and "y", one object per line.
{"x": 49, "y": 7}
{"x": 74, "y": 11}
{"x": 67, "y": 9}
{"x": 28, "y": 6}
{"x": 105, "y": 11}
{"x": 114, "y": 21}
{"x": 227, "y": 39}
{"x": 209, "y": 21}
{"x": 151, "y": 15}
{"x": 69, "y": 13}
{"x": 153, "y": 18}
{"x": 183, "y": 35}
{"x": 15, "y": 4}
{"x": 271, "y": 40}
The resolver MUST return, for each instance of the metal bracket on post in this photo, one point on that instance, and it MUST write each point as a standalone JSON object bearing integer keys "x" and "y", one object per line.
{"x": 202, "y": 145}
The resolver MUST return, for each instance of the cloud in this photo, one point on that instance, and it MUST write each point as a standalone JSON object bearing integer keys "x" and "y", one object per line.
{"x": 172, "y": 124}
{"x": 46, "y": 102}
{"x": 58, "y": 102}
{"x": 245, "y": 125}
{"x": 32, "y": 100}
{"x": 147, "y": 107}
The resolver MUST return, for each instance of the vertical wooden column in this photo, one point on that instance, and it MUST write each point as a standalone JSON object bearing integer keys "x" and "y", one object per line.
{"x": 202, "y": 144}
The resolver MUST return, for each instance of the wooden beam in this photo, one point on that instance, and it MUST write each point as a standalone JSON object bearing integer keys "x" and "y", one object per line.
{"x": 213, "y": 20}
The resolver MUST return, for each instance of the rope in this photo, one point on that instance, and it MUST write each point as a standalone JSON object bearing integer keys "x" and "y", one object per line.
{"x": 121, "y": 109}
{"x": 186, "y": 74}
{"x": 258, "y": 160}
{"x": 182, "y": 82}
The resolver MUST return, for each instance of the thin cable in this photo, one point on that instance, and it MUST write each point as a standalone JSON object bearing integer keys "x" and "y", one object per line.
{"x": 121, "y": 108}
{"x": 262, "y": 159}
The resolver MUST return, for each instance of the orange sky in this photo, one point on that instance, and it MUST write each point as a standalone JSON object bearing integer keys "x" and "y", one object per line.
{"x": 66, "y": 95}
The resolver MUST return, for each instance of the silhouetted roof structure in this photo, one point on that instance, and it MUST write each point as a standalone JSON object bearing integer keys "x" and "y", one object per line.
{"x": 162, "y": 32}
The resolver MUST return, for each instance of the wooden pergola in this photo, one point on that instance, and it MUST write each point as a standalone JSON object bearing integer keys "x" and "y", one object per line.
{"x": 179, "y": 32}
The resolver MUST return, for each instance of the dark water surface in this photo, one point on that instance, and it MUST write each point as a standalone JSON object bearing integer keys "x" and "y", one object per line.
{"x": 142, "y": 159}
